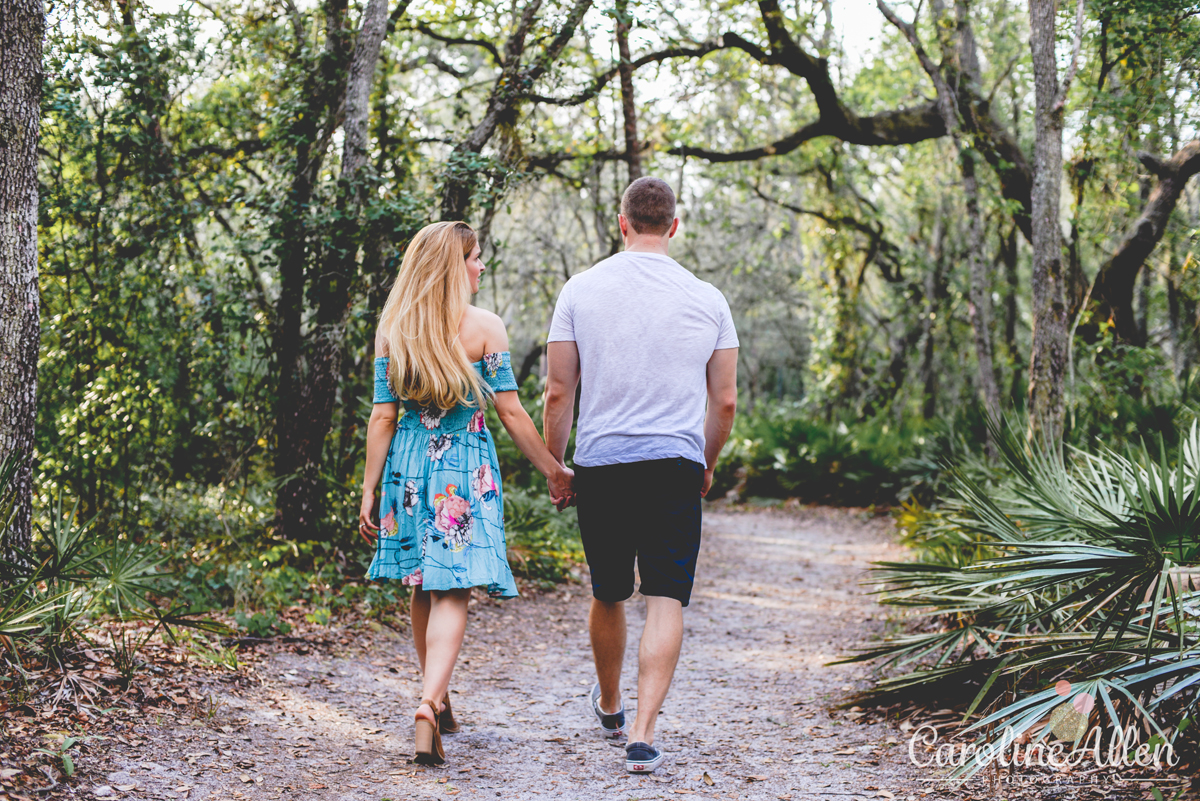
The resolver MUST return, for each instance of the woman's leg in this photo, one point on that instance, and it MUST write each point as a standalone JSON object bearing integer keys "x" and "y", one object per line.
{"x": 446, "y": 623}
{"x": 419, "y": 608}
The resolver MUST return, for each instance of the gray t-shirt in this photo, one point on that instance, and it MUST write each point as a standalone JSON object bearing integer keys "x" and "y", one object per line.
{"x": 645, "y": 328}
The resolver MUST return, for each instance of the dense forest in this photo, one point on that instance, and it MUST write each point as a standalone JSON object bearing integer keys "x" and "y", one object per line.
{"x": 973, "y": 227}
{"x": 225, "y": 190}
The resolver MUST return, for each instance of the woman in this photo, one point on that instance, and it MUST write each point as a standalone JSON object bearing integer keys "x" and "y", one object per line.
{"x": 438, "y": 360}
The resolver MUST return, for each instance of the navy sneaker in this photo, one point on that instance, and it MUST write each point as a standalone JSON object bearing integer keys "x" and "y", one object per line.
{"x": 613, "y": 726}
{"x": 642, "y": 758}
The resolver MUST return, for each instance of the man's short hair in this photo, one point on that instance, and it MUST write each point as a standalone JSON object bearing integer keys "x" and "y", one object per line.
{"x": 649, "y": 205}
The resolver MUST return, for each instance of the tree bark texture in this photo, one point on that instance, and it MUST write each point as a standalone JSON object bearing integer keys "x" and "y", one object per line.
{"x": 629, "y": 110}
{"x": 315, "y": 374}
{"x": 1012, "y": 288}
{"x": 1048, "y": 360}
{"x": 22, "y": 27}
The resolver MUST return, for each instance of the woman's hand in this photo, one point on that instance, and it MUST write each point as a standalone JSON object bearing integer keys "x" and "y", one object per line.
{"x": 365, "y": 527}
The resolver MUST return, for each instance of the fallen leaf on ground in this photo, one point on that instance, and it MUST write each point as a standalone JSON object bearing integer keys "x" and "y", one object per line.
{"x": 708, "y": 779}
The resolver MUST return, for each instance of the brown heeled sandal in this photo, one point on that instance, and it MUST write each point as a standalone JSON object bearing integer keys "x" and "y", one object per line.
{"x": 428, "y": 737}
{"x": 446, "y": 723}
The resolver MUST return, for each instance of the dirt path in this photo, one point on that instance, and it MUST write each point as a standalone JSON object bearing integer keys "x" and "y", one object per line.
{"x": 749, "y": 715}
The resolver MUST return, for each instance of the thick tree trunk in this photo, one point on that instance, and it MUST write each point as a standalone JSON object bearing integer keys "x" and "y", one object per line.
{"x": 1048, "y": 361}
{"x": 294, "y": 510}
{"x": 625, "y": 70}
{"x": 22, "y": 27}
{"x": 299, "y": 504}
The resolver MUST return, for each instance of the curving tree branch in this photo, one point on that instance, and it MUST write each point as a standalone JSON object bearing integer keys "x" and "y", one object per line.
{"x": 601, "y": 80}
{"x": 458, "y": 40}
{"x": 1114, "y": 285}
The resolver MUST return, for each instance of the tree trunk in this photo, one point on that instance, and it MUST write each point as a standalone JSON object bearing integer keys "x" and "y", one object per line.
{"x": 625, "y": 70}
{"x": 934, "y": 291}
{"x": 1012, "y": 284}
{"x": 845, "y": 354}
{"x": 980, "y": 290}
{"x": 1181, "y": 311}
{"x": 317, "y": 372}
{"x": 22, "y": 27}
{"x": 1048, "y": 360}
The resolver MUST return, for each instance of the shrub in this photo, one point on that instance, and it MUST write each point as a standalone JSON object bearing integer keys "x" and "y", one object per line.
{"x": 1080, "y": 566}
{"x": 782, "y": 451}
{"x": 543, "y": 544}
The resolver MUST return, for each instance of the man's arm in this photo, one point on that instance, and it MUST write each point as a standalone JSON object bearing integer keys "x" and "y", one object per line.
{"x": 562, "y": 376}
{"x": 722, "y": 405}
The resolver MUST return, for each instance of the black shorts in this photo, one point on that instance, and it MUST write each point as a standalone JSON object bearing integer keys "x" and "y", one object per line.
{"x": 648, "y": 511}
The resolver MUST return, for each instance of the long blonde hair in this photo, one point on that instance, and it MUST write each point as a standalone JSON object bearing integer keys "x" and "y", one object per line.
{"x": 421, "y": 317}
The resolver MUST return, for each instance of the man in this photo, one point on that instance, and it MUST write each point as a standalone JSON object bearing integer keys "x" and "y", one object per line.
{"x": 652, "y": 343}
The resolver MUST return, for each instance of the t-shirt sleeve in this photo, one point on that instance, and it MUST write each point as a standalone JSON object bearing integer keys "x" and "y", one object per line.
{"x": 562, "y": 326}
{"x": 726, "y": 334}
{"x": 383, "y": 389}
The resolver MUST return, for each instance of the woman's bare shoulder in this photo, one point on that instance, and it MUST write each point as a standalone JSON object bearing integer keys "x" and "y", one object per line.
{"x": 381, "y": 345}
{"x": 485, "y": 328}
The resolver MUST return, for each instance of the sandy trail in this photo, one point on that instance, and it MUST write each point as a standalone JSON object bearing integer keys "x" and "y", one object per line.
{"x": 749, "y": 715}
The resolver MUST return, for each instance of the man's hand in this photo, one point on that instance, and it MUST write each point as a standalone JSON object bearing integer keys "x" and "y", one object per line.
{"x": 707, "y": 485}
{"x": 365, "y": 527}
{"x": 562, "y": 487}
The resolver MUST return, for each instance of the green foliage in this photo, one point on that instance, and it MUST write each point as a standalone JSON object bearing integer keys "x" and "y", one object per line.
{"x": 54, "y": 595}
{"x": 1125, "y": 393}
{"x": 1081, "y": 568}
{"x": 785, "y": 450}
{"x": 543, "y": 544}
{"x": 62, "y": 748}
{"x": 261, "y": 624}
{"x": 171, "y": 147}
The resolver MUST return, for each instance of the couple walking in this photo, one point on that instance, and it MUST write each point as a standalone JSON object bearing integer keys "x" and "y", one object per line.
{"x": 656, "y": 352}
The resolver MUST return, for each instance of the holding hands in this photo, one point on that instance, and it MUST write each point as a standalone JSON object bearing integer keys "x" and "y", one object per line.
{"x": 561, "y": 484}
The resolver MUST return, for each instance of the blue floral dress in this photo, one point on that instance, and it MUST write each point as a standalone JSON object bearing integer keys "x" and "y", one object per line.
{"x": 442, "y": 508}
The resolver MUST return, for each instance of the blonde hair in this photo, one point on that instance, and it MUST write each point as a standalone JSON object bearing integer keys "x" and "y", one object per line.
{"x": 421, "y": 317}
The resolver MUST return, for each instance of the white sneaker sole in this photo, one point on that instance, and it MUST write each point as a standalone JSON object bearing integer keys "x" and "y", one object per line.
{"x": 645, "y": 766}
